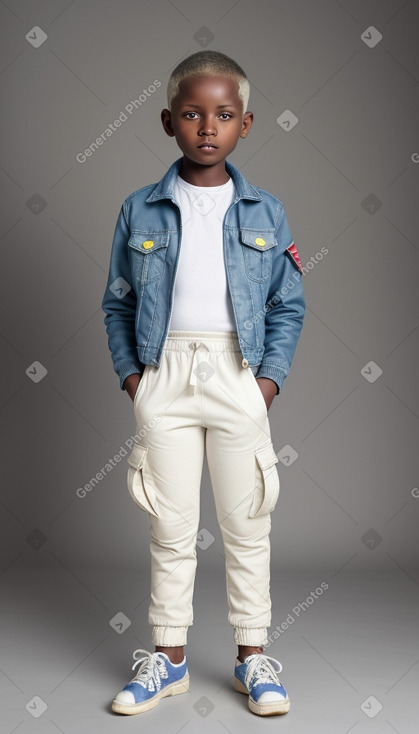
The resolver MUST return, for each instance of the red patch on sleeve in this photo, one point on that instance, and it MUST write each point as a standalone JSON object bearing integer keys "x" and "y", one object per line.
{"x": 295, "y": 256}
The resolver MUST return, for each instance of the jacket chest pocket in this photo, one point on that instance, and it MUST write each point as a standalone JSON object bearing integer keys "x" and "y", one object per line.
{"x": 257, "y": 252}
{"x": 148, "y": 254}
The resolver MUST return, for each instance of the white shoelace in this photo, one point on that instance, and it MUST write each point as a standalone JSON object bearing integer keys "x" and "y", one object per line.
{"x": 151, "y": 670}
{"x": 260, "y": 670}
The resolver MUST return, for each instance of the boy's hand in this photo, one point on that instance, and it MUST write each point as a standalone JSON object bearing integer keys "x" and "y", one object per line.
{"x": 131, "y": 384}
{"x": 268, "y": 389}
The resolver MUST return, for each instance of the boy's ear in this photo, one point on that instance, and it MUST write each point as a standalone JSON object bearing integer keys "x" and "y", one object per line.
{"x": 166, "y": 119}
{"x": 246, "y": 124}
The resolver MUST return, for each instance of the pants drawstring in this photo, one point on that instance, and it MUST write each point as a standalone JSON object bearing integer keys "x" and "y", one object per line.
{"x": 192, "y": 375}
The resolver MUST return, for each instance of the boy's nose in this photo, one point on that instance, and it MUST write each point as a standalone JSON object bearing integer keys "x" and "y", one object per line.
{"x": 207, "y": 128}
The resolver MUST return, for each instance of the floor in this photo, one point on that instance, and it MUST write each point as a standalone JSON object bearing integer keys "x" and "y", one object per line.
{"x": 348, "y": 643}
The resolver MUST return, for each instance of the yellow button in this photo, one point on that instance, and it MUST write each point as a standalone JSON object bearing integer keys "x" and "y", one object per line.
{"x": 148, "y": 243}
{"x": 260, "y": 241}
{"x": 245, "y": 363}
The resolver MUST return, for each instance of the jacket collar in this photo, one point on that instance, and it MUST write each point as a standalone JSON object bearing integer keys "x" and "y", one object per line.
{"x": 165, "y": 187}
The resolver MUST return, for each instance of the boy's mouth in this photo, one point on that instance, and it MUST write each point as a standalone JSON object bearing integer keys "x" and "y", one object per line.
{"x": 207, "y": 145}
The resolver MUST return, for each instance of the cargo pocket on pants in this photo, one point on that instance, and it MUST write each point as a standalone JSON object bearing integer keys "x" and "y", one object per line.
{"x": 266, "y": 492}
{"x": 140, "y": 480}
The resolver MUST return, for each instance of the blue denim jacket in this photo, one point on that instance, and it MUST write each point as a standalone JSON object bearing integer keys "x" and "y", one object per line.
{"x": 262, "y": 266}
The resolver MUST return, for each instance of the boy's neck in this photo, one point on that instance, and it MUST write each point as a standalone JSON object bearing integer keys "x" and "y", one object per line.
{"x": 199, "y": 175}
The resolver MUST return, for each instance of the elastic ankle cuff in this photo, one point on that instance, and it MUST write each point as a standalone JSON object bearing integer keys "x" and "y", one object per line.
{"x": 252, "y": 636}
{"x": 169, "y": 636}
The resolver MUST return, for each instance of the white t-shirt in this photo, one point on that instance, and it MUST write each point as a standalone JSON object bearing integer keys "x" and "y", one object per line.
{"x": 202, "y": 300}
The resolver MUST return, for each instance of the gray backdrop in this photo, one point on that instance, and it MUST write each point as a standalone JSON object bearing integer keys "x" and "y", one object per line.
{"x": 334, "y": 92}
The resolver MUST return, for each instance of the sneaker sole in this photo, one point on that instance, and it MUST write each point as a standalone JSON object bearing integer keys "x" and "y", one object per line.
{"x": 173, "y": 689}
{"x": 262, "y": 709}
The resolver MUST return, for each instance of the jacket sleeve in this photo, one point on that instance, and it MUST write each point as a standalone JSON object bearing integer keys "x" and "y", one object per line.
{"x": 285, "y": 306}
{"x": 119, "y": 304}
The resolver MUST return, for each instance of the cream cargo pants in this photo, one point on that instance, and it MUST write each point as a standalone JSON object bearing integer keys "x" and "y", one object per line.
{"x": 204, "y": 397}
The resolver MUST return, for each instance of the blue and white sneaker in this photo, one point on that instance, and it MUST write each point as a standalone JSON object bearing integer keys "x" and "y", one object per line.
{"x": 257, "y": 677}
{"x": 155, "y": 678}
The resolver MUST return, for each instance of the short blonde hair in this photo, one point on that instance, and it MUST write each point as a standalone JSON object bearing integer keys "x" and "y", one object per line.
{"x": 208, "y": 63}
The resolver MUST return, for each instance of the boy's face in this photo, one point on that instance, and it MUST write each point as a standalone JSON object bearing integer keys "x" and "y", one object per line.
{"x": 207, "y": 109}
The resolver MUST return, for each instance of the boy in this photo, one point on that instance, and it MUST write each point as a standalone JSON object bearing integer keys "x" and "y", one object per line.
{"x": 204, "y": 307}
